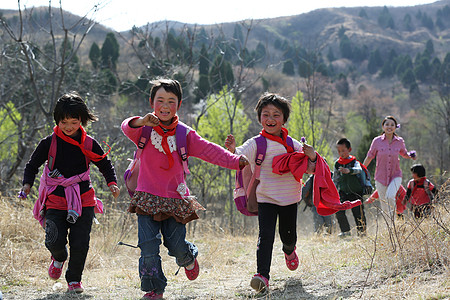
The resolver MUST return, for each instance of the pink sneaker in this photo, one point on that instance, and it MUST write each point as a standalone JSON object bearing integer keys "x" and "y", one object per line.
{"x": 152, "y": 295}
{"x": 193, "y": 274}
{"x": 76, "y": 287}
{"x": 259, "y": 283}
{"x": 53, "y": 271}
{"x": 292, "y": 264}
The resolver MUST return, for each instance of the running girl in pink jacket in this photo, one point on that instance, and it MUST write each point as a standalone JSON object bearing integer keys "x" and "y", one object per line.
{"x": 161, "y": 200}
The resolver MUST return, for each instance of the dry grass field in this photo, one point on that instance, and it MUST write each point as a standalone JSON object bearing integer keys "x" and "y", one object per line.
{"x": 412, "y": 264}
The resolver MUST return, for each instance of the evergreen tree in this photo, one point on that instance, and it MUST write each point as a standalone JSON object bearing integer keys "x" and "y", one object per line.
{"x": 422, "y": 69}
{"x": 403, "y": 63}
{"x": 94, "y": 55}
{"x": 408, "y": 78}
{"x": 346, "y": 47}
{"x": 260, "y": 52}
{"x": 288, "y": 68}
{"x": 342, "y": 85}
{"x": 407, "y": 22}
{"x": 110, "y": 52}
{"x": 221, "y": 74}
{"x": 203, "y": 65}
{"x": 427, "y": 21}
{"x": 385, "y": 19}
{"x": 429, "y": 48}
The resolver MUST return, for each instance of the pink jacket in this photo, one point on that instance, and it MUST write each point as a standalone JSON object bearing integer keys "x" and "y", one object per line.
{"x": 71, "y": 188}
{"x": 156, "y": 179}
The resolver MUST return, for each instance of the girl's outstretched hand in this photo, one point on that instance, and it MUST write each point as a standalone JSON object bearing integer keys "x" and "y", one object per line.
{"x": 114, "y": 190}
{"x": 310, "y": 152}
{"x": 24, "y": 191}
{"x": 243, "y": 161}
{"x": 230, "y": 143}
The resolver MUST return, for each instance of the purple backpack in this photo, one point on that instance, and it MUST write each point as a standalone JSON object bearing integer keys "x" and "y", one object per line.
{"x": 246, "y": 181}
{"x": 132, "y": 173}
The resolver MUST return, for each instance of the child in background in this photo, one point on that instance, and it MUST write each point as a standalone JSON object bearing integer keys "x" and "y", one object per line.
{"x": 277, "y": 195}
{"x": 320, "y": 222}
{"x": 66, "y": 197}
{"x": 161, "y": 200}
{"x": 345, "y": 177}
{"x": 420, "y": 192}
{"x": 388, "y": 176}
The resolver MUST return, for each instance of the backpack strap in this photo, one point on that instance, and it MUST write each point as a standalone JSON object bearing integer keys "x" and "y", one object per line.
{"x": 181, "y": 138}
{"x": 289, "y": 142}
{"x": 426, "y": 187}
{"x": 261, "y": 147}
{"x": 88, "y": 142}
{"x": 52, "y": 153}
{"x": 143, "y": 139}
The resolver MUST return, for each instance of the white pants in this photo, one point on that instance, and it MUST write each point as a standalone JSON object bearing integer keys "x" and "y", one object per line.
{"x": 387, "y": 196}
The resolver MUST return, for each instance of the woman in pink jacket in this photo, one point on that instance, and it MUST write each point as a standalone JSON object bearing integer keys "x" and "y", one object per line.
{"x": 387, "y": 148}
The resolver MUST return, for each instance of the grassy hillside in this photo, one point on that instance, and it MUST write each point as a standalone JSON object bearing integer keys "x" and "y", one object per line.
{"x": 414, "y": 265}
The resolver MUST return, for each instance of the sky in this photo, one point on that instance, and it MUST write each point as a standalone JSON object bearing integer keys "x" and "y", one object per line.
{"x": 121, "y": 15}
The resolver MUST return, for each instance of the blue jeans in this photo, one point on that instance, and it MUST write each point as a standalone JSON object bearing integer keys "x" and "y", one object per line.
{"x": 150, "y": 233}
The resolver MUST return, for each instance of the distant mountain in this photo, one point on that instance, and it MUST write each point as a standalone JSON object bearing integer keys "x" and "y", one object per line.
{"x": 403, "y": 29}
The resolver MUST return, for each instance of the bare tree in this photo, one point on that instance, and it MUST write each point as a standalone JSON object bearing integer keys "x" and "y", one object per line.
{"x": 37, "y": 56}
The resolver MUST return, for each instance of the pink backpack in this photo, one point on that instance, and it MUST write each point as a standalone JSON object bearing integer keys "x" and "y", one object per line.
{"x": 246, "y": 181}
{"x": 132, "y": 173}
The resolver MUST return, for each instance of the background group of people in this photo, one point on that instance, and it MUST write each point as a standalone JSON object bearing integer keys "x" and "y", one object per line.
{"x": 393, "y": 197}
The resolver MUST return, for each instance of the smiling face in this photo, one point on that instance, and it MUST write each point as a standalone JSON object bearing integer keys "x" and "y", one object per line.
{"x": 389, "y": 126}
{"x": 272, "y": 119}
{"x": 165, "y": 105}
{"x": 70, "y": 126}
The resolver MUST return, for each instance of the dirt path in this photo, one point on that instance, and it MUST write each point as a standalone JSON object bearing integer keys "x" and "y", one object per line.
{"x": 320, "y": 276}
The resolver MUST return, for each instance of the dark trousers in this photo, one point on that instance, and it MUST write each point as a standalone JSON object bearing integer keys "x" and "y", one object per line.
{"x": 287, "y": 228}
{"x": 357, "y": 211}
{"x": 56, "y": 231}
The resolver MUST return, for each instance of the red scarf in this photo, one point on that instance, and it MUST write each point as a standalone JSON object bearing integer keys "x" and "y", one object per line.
{"x": 281, "y": 140}
{"x": 344, "y": 161}
{"x": 171, "y": 129}
{"x": 91, "y": 155}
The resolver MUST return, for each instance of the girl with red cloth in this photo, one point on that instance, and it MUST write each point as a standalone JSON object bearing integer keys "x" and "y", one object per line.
{"x": 162, "y": 201}
{"x": 68, "y": 185}
{"x": 277, "y": 194}
{"x": 387, "y": 148}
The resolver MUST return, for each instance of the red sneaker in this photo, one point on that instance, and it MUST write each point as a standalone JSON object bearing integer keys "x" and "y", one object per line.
{"x": 292, "y": 264}
{"x": 193, "y": 273}
{"x": 259, "y": 283}
{"x": 53, "y": 271}
{"x": 76, "y": 287}
{"x": 152, "y": 295}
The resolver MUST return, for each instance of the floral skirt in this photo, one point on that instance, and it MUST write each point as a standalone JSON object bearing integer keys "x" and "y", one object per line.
{"x": 161, "y": 208}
